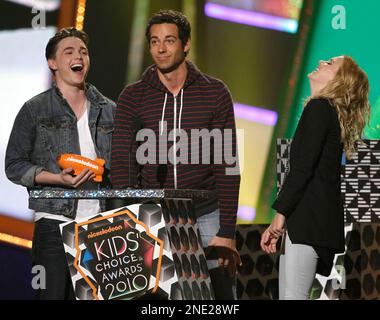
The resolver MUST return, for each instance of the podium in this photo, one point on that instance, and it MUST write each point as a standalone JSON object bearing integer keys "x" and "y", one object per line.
{"x": 151, "y": 247}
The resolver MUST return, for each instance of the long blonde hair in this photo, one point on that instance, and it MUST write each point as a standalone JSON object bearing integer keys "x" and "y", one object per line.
{"x": 348, "y": 94}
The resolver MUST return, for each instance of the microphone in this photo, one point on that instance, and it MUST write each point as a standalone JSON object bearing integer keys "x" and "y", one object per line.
{"x": 162, "y": 173}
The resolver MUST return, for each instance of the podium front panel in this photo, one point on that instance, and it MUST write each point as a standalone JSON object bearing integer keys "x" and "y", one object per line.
{"x": 152, "y": 247}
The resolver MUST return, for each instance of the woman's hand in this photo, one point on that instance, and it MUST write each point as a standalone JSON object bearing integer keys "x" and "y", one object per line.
{"x": 271, "y": 235}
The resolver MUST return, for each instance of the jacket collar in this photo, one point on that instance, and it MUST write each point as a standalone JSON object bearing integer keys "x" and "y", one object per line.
{"x": 92, "y": 94}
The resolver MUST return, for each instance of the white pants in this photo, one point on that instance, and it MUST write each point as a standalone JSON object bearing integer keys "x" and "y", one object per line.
{"x": 298, "y": 268}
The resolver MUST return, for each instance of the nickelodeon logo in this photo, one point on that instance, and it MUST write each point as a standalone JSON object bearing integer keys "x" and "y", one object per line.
{"x": 104, "y": 231}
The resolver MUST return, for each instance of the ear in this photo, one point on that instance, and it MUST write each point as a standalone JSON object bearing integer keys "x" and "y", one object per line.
{"x": 187, "y": 46}
{"x": 52, "y": 64}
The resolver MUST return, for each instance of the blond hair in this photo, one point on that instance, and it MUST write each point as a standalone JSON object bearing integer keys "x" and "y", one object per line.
{"x": 348, "y": 94}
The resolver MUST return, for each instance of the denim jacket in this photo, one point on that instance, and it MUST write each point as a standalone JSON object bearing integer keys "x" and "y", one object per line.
{"x": 45, "y": 128}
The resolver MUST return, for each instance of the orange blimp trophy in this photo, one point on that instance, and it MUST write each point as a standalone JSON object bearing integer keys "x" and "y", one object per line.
{"x": 79, "y": 163}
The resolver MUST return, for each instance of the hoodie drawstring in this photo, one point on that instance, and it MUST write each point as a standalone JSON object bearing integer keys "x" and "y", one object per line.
{"x": 163, "y": 114}
{"x": 175, "y": 135}
{"x": 180, "y": 110}
{"x": 175, "y": 129}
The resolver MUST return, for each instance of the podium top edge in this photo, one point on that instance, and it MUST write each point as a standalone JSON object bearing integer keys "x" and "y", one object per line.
{"x": 118, "y": 194}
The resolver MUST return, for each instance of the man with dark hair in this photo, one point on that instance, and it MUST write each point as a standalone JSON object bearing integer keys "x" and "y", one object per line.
{"x": 174, "y": 96}
{"x": 172, "y": 17}
{"x": 71, "y": 117}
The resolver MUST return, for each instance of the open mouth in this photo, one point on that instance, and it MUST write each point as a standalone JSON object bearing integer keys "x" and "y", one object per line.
{"x": 78, "y": 67}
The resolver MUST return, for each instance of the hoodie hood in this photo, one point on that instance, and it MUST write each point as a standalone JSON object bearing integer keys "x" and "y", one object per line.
{"x": 150, "y": 76}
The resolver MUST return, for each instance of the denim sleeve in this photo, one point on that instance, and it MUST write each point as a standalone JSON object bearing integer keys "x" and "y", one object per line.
{"x": 18, "y": 166}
